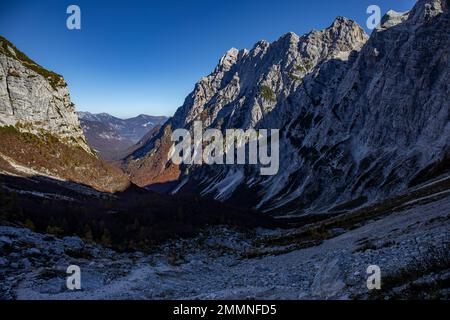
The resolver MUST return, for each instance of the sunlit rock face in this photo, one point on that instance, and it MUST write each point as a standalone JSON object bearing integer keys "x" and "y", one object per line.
{"x": 360, "y": 117}
{"x": 40, "y": 134}
{"x": 34, "y": 98}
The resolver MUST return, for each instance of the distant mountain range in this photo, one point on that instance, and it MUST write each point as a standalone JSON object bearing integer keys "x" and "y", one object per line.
{"x": 364, "y": 175}
{"x": 111, "y": 137}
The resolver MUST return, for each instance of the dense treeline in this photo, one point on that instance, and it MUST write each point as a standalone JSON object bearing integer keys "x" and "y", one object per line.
{"x": 135, "y": 219}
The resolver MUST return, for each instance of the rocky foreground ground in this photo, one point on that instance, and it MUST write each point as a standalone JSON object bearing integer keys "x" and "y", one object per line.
{"x": 410, "y": 245}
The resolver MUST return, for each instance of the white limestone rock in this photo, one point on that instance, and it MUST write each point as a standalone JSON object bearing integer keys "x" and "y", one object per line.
{"x": 359, "y": 117}
{"x": 36, "y": 99}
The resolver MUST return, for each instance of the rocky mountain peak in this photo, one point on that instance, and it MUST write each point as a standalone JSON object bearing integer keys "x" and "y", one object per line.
{"x": 391, "y": 19}
{"x": 345, "y": 34}
{"x": 260, "y": 47}
{"x": 426, "y": 10}
{"x": 245, "y": 88}
{"x": 423, "y": 12}
{"x": 289, "y": 37}
{"x": 286, "y": 44}
{"x": 360, "y": 117}
{"x": 342, "y": 26}
{"x": 229, "y": 58}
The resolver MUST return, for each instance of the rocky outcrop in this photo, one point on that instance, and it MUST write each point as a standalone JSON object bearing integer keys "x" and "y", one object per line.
{"x": 40, "y": 134}
{"x": 34, "y": 98}
{"x": 247, "y": 86}
{"x": 359, "y": 117}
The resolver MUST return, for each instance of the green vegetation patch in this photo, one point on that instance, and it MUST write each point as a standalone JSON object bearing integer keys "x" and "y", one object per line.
{"x": 54, "y": 79}
{"x": 9, "y": 130}
{"x": 268, "y": 94}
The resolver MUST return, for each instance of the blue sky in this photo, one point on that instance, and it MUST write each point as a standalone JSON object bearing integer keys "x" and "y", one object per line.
{"x": 133, "y": 57}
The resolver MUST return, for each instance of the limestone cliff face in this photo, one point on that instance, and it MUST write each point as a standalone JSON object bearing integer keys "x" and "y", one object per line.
{"x": 248, "y": 87}
{"x": 40, "y": 134}
{"x": 34, "y": 98}
{"x": 360, "y": 119}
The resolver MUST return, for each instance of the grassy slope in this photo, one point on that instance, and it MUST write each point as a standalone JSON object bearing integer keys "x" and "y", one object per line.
{"x": 46, "y": 153}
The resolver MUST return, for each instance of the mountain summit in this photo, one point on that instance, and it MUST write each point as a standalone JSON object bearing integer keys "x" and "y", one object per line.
{"x": 361, "y": 119}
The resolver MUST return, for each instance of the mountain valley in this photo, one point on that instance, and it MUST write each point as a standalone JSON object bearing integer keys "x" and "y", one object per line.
{"x": 113, "y": 138}
{"x": 364, "y": 175}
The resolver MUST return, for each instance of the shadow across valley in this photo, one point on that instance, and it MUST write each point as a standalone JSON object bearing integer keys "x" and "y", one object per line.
{"x": 136, "y": 219}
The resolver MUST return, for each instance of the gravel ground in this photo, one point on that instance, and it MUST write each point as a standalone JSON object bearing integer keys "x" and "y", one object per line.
{"x": 32, "y": 266}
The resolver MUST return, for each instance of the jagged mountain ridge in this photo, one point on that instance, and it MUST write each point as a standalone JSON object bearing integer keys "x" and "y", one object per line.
{"x": 112, "y": 137}
{"x": 219, "y": 97}
{"x": 360, "y": 118}
{"x": 133, "y": 129}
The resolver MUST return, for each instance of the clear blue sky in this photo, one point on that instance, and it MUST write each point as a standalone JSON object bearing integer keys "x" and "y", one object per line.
{"x": 133, "y": 57}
